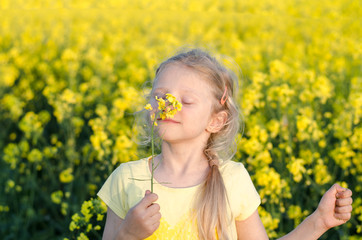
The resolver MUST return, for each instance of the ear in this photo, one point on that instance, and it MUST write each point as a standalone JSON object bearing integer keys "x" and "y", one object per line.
{"x": 217, "y": 122}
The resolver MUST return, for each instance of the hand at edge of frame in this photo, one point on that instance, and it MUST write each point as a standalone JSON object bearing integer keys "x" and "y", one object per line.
{"x": 335, "y": 207}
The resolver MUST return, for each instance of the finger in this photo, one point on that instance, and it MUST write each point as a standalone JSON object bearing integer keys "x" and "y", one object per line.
{"x": 344, "y": 194}
{"x": 344, "y": 209}
{"x": 342, "y": 216}
{"x": 156, "y": 225}
{"x": 332, "y": 191}
{"x": 148, "y": 199}
{"x": 153, "y": 209}
{"x": 155, "y": 218}
{"x": 340, "y": 202}
{"x": 336, "y": 188}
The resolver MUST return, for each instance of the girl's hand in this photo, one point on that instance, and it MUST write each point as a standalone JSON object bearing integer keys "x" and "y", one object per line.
{"x": 335, "y": 207}
{"x": 143, "y": 219}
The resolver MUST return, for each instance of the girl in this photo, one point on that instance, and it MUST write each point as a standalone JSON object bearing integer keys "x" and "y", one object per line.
{"x": 200, "y": 192}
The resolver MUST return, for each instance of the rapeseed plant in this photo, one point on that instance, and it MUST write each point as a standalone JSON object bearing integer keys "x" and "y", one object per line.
{"x": 70, "y": 79}
{"x": 166, "y": 109}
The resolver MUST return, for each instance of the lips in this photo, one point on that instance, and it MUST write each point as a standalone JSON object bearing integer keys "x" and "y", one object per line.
{"x": 168, "y": 120}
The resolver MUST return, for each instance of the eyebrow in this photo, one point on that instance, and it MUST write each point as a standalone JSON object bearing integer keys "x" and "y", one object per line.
{"x": 165, "y": 90}
{"x": 160, "y": 90}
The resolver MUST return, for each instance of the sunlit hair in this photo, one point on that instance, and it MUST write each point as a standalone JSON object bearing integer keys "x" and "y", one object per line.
{"x": 212, "y": 204}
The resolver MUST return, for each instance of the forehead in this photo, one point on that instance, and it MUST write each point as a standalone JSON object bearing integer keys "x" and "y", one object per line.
{"x": 179, "y": 77}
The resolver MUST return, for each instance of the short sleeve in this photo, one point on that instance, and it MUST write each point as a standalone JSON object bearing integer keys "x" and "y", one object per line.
{"x": 113, "y": 192}
{"x": 243, "y": 197}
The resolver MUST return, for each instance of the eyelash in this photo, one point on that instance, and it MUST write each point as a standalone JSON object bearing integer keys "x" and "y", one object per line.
{"x": 186, "y": 102}
{"x": 160, "y": 95}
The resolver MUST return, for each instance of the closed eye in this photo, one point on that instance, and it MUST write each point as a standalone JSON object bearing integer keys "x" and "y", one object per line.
{"x": 187, "y": 101}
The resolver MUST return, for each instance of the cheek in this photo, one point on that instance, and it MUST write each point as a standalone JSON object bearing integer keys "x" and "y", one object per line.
{"x": 196, "y": 118}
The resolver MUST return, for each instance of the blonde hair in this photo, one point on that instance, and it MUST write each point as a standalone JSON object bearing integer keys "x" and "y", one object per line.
{"x": 212, "y": 204}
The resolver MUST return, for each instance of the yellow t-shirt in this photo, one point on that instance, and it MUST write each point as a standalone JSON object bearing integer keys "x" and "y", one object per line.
{"x": 122, "y": 191}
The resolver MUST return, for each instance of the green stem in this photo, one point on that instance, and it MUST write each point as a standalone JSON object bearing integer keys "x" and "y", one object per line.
{"x": 153, "y": 145}
{"x": 153, "y": 152}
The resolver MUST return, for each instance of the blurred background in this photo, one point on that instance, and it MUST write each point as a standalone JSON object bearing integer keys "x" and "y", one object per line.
{"x": 73, "y": 73}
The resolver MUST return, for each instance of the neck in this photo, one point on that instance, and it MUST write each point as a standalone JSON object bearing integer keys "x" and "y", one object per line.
{"x": 182, "y": 158}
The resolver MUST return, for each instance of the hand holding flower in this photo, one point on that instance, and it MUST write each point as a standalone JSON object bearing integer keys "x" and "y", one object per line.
{"x": 142, "y": 220}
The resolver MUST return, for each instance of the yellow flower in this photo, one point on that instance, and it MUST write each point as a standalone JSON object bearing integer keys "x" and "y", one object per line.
{"x": 64, "y": 208}
{"x": 9, "y": 75}
{"x": 322, "y": 88}
{"x": 161, "y": 103}
{"x": 4, "y": 208}
{"x": 153, "y": 119}
{"x": 89, "y": 227}
{"x": 273, "y": 127}
{"x": 296, "y": 213}
{"x": 100, "y": 217}
{"x": 69, "y": 96}
{"x": 10, "y": 183}
{"x": 148, "y": 107}
{"x": 75, "y": 217}
{"x": 167, "y": 108}
{"x": 35, "y": 156}
{"x": 86, "y": 210}
{"x": 57, "y": 197}
{"x": 172, "y": 100}
{"x": 66, "y": 175}
{"x": 321, "y": 173}
{"x": 82, "y": 236}
{"x": 296, "y": 167}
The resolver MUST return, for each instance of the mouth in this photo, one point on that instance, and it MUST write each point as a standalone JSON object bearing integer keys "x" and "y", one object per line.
{"x": 168, "y": 120}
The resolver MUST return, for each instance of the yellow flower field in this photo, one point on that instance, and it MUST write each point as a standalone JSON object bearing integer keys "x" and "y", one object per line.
{"x": 74, "y": 73}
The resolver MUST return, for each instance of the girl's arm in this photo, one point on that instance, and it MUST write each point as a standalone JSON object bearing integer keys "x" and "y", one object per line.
{"x": 333, "y": 210}
{"x": 112, "y": 227}
{"x": 251, "y": 228}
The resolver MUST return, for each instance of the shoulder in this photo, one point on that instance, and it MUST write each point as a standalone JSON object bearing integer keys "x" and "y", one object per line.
{"x": 130, "y": 168}
{"x": 120, "y": 191}
{"x": 236, "y": 176}
{"x": 231, "y": 169}
{"x": 230, "y": 164}
{"x": 243, "y": 197}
